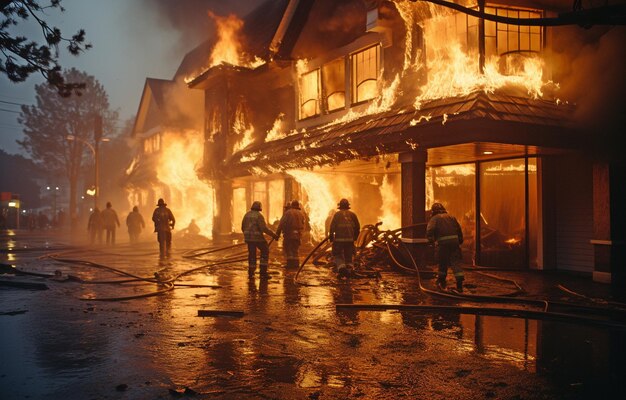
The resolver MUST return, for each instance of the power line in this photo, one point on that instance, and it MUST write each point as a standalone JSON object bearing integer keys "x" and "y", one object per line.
{"x": 10, "y": 126}
{"x": 10, "y": 102}
{"x": 11, "y": 111}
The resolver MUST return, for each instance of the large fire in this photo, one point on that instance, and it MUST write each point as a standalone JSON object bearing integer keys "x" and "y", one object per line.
{"x": 190, "y": 198}
{"x": 452, "y": 59}
{"x": 323, "y": 192}
{"x": 242, "y": 128}
{"x": 324, "y": 189}
{"x": 228, "y": 48}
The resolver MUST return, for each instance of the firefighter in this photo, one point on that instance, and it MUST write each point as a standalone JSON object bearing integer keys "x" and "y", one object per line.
{"x": 134, "y": 223}
{"x": 110, "y": 223}
{"x": 94, "y": 226}
{"x": 344, "y": 230}
{"x": 253, "y": 226}
{"x": 164, "y": 222}
{"x": 444, "y": 230}
{"x": 291, "y": 226}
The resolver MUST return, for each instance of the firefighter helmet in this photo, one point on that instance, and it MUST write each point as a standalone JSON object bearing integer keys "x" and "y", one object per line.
{"x": 161, "y": 203}
{"x": 256, "y": 206}
{"x": 295, "y": 204}
{"x": 437, "y": 208}
{"x": 343, "y": 204}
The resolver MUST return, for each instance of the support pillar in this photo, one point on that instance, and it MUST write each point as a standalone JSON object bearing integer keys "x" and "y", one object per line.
{"x": 413, "y": 192}
{"x": 222, "y": 221}
{"x": 609, "y": 238}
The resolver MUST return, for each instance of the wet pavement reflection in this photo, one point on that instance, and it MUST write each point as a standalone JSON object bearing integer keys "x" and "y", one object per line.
{"x": 290, "y": 342}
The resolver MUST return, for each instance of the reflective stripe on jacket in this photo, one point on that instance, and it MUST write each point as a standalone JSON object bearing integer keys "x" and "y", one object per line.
{"x": 344, "y": 227}
{"x": 292, "y": 224}
{"x": 163, "y": 219}
{"x": 253, "y": 226}
{"x": 444, "y": 227}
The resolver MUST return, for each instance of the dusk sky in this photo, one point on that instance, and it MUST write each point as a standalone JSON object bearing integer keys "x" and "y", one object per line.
{"x": 132, "y": 40}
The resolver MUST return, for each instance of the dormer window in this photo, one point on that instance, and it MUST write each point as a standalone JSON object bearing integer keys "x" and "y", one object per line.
{"x": 365, "y": 74}
{"x": 334, "y": 85}
{"x": 310, "y": 94}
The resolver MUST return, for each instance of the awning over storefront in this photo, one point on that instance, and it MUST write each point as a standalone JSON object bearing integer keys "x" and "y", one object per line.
{"x": 476, "y": 117}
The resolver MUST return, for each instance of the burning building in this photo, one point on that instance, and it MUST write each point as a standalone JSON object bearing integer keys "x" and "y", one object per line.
{"x": 398, "y": 104}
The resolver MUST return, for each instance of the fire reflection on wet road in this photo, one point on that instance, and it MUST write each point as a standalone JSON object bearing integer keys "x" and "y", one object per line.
{"x": 291, "y": 341}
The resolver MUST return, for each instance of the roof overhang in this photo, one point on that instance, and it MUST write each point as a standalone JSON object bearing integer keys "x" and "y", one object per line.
{"x": 478, "y": 117}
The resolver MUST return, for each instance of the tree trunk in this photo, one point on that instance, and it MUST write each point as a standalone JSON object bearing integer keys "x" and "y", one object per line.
{"x": 72, "y": 211}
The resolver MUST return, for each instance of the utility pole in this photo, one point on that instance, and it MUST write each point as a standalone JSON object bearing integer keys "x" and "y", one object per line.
{"x": 97, "y": 136}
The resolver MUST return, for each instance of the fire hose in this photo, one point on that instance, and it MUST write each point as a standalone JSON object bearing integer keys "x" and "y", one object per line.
{"x": 168, "y": 282}
{"x": 390, "y": 239}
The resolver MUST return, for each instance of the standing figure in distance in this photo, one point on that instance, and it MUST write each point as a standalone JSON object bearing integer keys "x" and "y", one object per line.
{"x": 344, "y": 230}
{"x": 110, "y": 222}
{"x": 163, "y": 224}
{"x": 444, "y": 229}
{"x": 134, "y": 223}
{"x": 253, "y": 226}
{"x": 94, "y": 226}
{"x": 291, "y": 226}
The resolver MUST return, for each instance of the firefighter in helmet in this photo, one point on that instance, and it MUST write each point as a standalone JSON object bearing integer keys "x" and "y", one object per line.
{"x": 164, "y": 222}
{"x": 253, "y": 226}
{"x": 344, "y": 230}
{"x": 291, "y": 226}
{"x": 444, "y": 230}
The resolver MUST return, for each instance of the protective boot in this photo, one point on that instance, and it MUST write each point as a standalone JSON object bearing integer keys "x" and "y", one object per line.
{"x": 263, "y": 273}
{"x": 251, "y": 269}
{"x": 459, "y": 285}
{"x": 441, "y": 284}
{"x": 343, "y": 272}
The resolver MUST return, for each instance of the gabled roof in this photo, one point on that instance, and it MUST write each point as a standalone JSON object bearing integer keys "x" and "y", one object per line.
{"x": 159, "y": 106}
{"x": 476, "y": 117}
{"x": 151, "y": 106}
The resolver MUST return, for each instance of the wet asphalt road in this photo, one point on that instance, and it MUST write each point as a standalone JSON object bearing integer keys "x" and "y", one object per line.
{"x": 285, "y": 339}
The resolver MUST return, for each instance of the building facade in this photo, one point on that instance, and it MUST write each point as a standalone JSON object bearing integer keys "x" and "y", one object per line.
{"x": 396, "y": 105}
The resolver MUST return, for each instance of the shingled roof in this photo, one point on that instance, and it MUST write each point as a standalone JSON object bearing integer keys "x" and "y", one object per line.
{"x": 476, "y": 117}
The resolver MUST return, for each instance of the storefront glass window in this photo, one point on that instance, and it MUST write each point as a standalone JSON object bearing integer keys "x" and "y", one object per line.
{"x": 454, "y": 186}
{"x": 502, "y": 211}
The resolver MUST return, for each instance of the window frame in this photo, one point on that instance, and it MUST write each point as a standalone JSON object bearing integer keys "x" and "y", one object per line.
{"x": 354, "y": 86}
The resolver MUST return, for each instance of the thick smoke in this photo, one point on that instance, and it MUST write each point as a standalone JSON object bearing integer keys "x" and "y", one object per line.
{"x": 590, "y": 65}
{"x": 190, "y": 17}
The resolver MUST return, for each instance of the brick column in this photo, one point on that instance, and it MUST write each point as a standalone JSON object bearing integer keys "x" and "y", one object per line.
{"x": 222, "y": 222}
{"x": 413, "y": 192}
{"x": 609, "y": 219}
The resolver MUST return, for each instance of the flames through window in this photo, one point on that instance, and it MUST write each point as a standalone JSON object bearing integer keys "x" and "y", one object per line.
{"x": 365, "y": 73}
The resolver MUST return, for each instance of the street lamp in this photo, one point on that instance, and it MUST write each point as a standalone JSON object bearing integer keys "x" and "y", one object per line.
{"x": 95, "y": 152}
{"x": 54, "y": 189}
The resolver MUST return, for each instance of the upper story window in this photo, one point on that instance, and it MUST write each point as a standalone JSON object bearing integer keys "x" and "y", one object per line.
{"x": 152, "y": 144}
{"x": 501, "y": 39}
{"x": 309, "y": 94}
{"x": 334, "y": 84}
{"x": 325, "y": 89}
{"x": 365, "y": 73}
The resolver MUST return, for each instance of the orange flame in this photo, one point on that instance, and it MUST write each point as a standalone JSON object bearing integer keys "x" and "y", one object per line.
{"x": 276, "y": 132}
{"x": 243, "y": 128}
{"x": 190, "y": 198}
{"x": 390, "y": 209}
{"x": 228, "y": 49}
{"x": 323, "y": 192}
